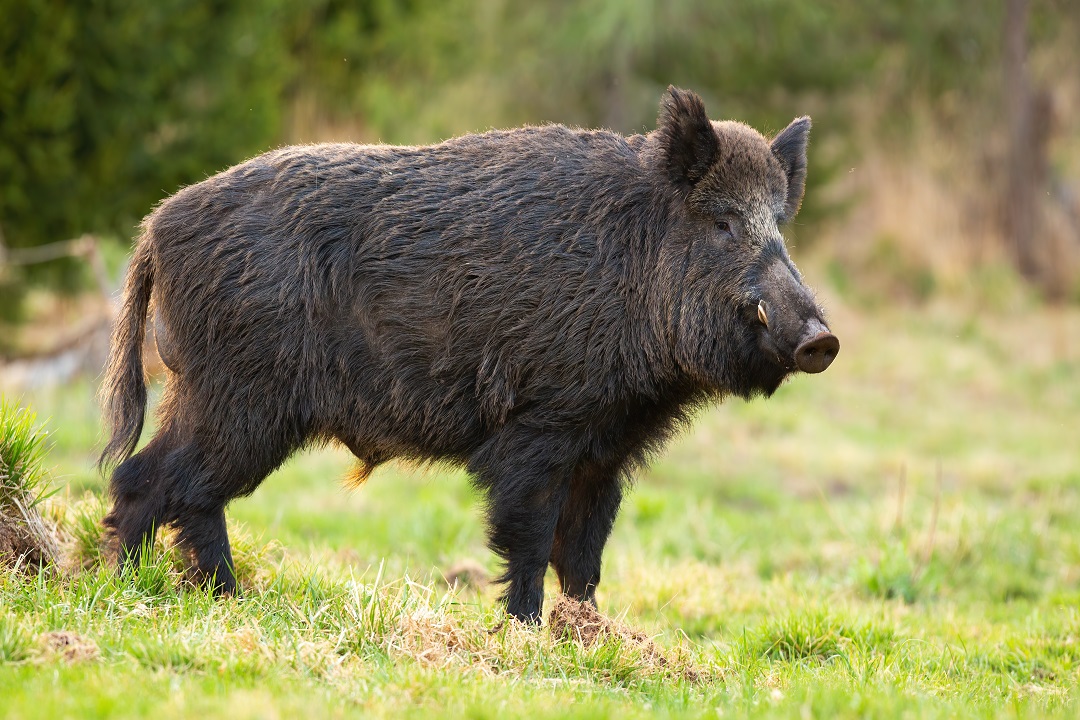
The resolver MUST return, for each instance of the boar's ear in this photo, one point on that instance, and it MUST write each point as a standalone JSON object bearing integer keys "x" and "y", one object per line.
{"x": 789, "y": 147}
{"x": 687, "y": 140}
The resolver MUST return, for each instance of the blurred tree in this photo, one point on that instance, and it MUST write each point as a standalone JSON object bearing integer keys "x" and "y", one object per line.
{"x": 108, "y": 105}
{"x": 426, "y": 68}
{"x": 1028, "y": 112}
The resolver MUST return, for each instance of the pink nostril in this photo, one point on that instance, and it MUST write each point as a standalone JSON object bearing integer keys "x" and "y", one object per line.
{"x": 817, "y": 353}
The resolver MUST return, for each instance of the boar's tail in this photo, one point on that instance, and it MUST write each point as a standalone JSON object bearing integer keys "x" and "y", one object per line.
{"x": 123, "y": 393}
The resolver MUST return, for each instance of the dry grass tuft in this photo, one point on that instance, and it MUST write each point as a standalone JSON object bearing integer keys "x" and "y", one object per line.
{"x": 433, "y": 638}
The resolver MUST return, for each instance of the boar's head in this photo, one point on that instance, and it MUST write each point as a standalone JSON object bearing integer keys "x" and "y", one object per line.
{"x": 743, "y": 319}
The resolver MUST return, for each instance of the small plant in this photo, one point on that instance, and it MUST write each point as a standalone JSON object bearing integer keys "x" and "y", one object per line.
{"x": 895, "y": 573}
{"x": 14, "y": 644}
{"x": 25, "y": 539}
{"x": 84, "y": 533}
{"x": 816, "y": 636}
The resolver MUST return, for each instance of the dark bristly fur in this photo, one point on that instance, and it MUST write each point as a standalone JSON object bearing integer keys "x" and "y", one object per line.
{"x": 544, "y": 305}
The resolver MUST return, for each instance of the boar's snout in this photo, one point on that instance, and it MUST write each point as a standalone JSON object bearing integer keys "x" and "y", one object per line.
{"x": 815, "y": 354}
{"x": 794, "y": 331}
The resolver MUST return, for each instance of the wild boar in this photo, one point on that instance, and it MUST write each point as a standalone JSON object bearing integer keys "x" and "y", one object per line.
{"x": 544, "y": 305}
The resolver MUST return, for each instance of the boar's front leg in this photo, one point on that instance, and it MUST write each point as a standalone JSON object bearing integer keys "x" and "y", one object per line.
{"x": 585, "y": 522}
{"x": 526, "y": 478}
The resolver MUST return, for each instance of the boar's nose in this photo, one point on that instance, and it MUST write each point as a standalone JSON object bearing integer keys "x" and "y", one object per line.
{"x": 817, "y": 353}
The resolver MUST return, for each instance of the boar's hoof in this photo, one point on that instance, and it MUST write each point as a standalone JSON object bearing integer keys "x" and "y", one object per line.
{"x": 817, "y": 353}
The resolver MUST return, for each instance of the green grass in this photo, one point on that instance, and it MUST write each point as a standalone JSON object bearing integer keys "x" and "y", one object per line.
{"x": 899, "y": 536}
{"x": 22, "y": 449}
{"x": 25, "y": 539}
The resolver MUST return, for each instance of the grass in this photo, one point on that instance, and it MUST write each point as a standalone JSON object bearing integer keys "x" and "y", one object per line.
{"x": 21, "y": 453}
{"x": 25, "y": 539}
{"x": 897, "y": 537}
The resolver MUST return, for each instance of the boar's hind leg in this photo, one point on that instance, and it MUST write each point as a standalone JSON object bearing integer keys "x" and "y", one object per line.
{"x": 202, "y": 481}
{"x": 525, "y": 489}
{"x": 585, "y": 522}
{"x": 138, "y": 501}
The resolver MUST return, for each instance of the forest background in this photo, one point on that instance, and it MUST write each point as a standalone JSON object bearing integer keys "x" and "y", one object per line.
{"x": 943, "y": 141}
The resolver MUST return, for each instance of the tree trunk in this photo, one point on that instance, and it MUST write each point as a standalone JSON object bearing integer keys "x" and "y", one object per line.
{"x": 1026, "y": 165}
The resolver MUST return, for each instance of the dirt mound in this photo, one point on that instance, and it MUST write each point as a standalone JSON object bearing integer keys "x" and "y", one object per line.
{"x": 26, "y": 540}
{"x": 26, "y": 544}
{"x": 578, "y": 621}
{"x": 68, "y": 646}
{"x": 468, "y": 574}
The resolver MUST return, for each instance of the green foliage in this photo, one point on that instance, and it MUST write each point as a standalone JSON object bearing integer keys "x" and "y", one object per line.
{"x": 817, "y": 636}
{"x": 894, "y": 574}
{"x": 107, "y": 106}
{"x": 22, "y": 449}
{"x": 604, "y": 62}
{"x": 434, "y": 69}
{"x": 14, "y": 644}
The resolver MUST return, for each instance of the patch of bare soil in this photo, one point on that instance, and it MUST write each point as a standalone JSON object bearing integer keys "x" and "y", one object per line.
{"x": 68, "y": 646}
{"x": 575, "y": 621}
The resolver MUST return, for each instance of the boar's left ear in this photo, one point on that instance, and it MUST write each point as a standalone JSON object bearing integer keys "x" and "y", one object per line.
{"x": 789, "y": 147}
{"x": 687, "y": 139}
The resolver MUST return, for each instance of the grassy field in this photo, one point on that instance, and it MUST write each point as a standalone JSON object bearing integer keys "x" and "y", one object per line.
{"x": 899, "y": 536}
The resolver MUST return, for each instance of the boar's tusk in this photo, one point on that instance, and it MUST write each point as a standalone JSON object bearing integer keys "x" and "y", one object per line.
{"x": 761, "y": 314}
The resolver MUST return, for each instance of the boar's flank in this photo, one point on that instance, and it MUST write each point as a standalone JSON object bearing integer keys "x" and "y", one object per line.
{"x": 544, "y": 305}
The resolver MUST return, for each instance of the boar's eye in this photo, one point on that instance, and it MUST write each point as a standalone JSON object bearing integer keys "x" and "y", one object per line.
{"x": 725, "y": 229}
